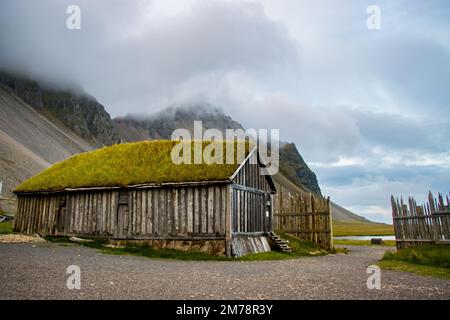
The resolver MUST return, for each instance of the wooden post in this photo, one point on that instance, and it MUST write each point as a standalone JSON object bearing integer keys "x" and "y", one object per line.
{"x": 330, "y": 217}
{"x": 228, "y": 224}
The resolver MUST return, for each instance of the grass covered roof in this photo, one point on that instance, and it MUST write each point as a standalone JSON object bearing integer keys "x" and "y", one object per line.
{"x": 128, "y": 164}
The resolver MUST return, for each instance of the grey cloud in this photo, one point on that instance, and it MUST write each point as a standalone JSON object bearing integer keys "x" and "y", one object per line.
{"x": 397, "y": 131}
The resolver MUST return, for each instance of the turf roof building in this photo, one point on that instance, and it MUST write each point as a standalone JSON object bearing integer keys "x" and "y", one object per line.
{"x": 135, "y": 192}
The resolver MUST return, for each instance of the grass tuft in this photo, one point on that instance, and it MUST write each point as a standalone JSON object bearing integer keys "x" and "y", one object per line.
{"x": 432, "y": 260}
{"x": 6, "y": 227}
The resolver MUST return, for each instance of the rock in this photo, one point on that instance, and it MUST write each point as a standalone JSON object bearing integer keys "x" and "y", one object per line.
{"x": 80, "y": 240}
{"x": 378, "y": 241}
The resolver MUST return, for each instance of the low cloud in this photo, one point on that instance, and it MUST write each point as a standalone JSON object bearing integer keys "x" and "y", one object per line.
{"x": 131, "y": 60}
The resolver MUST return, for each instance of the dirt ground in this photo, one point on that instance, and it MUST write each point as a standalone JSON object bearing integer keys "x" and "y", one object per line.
{"x": 38, "y": 271}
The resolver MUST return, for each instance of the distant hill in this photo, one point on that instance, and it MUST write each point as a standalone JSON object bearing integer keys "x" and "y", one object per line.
{"x": 345, "y": 216}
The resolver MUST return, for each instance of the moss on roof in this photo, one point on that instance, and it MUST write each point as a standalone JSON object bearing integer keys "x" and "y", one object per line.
{"x": 129, "y": 164}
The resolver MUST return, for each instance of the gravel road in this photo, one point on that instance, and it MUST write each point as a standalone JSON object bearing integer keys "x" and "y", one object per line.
{"x": 39, "y": 272}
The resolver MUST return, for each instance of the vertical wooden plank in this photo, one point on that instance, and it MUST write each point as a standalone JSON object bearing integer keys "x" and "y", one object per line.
{"x": 238, "y": 211}
{"x": 113, "y": 202}
{"x": 16, "y": 221}
{"x": 82, "y": 211}
{"x": 228, "y": 230}
{"x": 138, "y": 211}
{"x": 94, "y": 213}
{"x": 67, "y": 212}
{"x": 75, "y": 213}
{"x": 18, "y": 224}
{"x": 143, "y": 197}
{"x": 176, "y": 221}
{"x": 194, "y": 204}
{"x": 28, "y": 216}
{"x": 210, "y": 195}
{"x": 193, "y": 210}
{"x": 156, "y": 209}
{"x": 33, "y": 214}
{"x": 108, "y": 213}
{"x": 217, "y": 209}
{"x": 37, "y": 212}
{"x": 223, "y": 208}
{"x": 168, "y": 211}
{"x": 150, "y": 220}
{"x": 24, "y": 214}
{"x": 181, "y": 213}
{"x": 204, "y": 210}
{"x": 162, "y": 212}
{"x": 91, "y": 213}
{"x": 104, "y": 217}
{"x": 83, "y": 216}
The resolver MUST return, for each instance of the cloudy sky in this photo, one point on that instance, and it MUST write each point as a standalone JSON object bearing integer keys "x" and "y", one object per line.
{"x": 368, "y": 109}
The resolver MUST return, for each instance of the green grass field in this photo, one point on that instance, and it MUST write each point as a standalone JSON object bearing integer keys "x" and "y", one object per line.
{"x": 389, "y": 243}
{"x": 362, "y": 229}
{"x": 429, "y": 260}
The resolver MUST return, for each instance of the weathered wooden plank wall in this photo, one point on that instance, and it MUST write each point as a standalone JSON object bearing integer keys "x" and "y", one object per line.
{"x": 303, "y": 215}
{"x": 38, "y": 214}
{"x": 250, "y": 192}
{"x": 244, "y": 245}
{"x": 251, "y": 176}
{"x": 249, "y": 211}
{"x": 424, "y": 224}
{"x": 155, "y": 213}
{"x": 181, "y": 212}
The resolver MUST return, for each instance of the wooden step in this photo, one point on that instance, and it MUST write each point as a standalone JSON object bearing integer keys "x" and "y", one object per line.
{"x": 282, "y": 244}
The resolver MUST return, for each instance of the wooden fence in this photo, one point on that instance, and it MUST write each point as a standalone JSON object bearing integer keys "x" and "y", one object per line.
{"x": 303, "y": 215}
{"x": 421, "y": 224}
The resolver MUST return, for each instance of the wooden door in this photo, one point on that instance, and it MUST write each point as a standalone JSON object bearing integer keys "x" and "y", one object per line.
{"x": 123, "y": 213}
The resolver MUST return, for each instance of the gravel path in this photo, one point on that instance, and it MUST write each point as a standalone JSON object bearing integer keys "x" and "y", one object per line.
{"x": 39, "y": 272}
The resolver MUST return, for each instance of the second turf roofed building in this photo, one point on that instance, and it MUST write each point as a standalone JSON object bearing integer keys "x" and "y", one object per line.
{"x": 135, "y": 192}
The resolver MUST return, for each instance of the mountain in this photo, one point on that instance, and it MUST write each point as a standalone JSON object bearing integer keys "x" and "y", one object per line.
{"x": 340, "y": 214}
{"x": 162, "y": 124}
{"x": 40, "y": 126}
{"x": 75, "y": 110}
{"x": 30, "y": 141}
{"x": 295, "y": 168}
